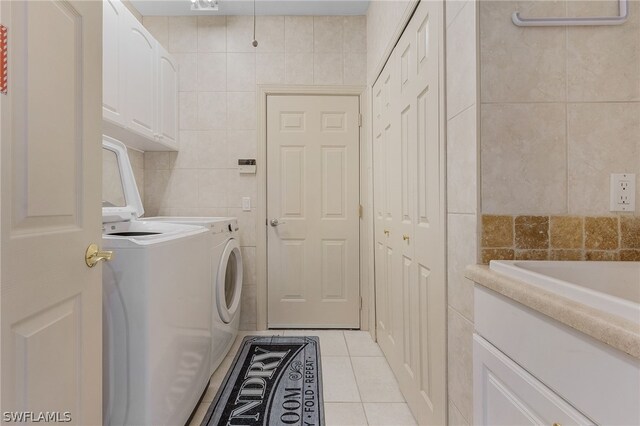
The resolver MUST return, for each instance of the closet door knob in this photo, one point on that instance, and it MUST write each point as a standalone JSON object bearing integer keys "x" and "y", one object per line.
{"x": 405, "y": 237}
{"x": 386, "y": 232}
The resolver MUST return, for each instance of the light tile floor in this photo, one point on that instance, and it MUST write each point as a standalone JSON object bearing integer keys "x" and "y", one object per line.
{"x": 359, "y": 387}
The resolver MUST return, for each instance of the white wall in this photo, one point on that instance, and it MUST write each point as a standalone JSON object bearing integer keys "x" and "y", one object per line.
{"x": 219, "y": 71}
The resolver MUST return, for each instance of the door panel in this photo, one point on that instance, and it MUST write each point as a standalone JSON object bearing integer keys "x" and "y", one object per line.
{"x": 50, "y": 209}
{"x": 167, "y": 97}
{"x": 313, "y": 191}
{"x": 409, "y": 220}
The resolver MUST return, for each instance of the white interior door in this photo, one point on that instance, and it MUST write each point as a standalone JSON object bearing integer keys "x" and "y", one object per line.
{"x": 51, "y": 311}
{"x": 409, "y": 215}
{"x": 313, "y": 211}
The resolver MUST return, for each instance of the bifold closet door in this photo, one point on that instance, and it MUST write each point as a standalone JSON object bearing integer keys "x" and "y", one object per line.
{"x": 409, "y": 215}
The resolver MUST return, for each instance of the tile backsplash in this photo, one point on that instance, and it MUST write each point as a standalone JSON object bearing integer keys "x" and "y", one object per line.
{"x": 506, "y": 237}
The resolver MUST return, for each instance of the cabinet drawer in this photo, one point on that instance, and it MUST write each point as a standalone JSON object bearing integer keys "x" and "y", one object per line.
{"x": 505, "y": 394}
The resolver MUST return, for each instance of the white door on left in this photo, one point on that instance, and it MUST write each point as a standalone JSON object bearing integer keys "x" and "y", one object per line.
{"x": 51, "y": 120}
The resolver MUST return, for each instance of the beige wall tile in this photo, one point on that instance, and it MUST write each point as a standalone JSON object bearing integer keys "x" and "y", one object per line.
{"x": 327, "y": 34}
{"x": 212, "y": 72}
{"x": 240, "y": 34}
{"x": 299, "y": 68}
{"x": 603, "y": 139}
{"x": 603, "y": 63}
{"x": 601, "y": 233}
{"x": 158, "y": 26}
{"x": 523, "y": 159}
{"x": 630, "y": 232}
{"x": 241, "y": 72}
{"x": 355, "y": 68}
{"x": 327, "y": 68}
{"x": 532, "y": 254}
{"x": 242, "y": 110}
{"x": 270, "y": 34}
{"x": 461, "y": 61}
{"x": 521, "y": 64}
{"x": 188, "y": 104}
{"x": 249, "y": 265}
{"x": 462, "y": 250}
{"x": 298, "y": 34}
{"x": 247, "y": 224}
{"x": 182, "y": 189}
{"x": 212, "y": 111}
{"x": 183, "y": 34}
{"x": 211, "y": 193}
{"x": 212, "y": 34}
{"x": 531, "y": 232}
{"x": 566, "y": 232}
{"x": 270, "y": 68}
{"x": 240, "y": 185}
{"x": 497, "y": 231}
{"x": 241, "y": 144}
{"x": 460, "y": 362}
{"x": 354, "y": 34}
{"x": 462, "y": 163}
{"x": 187, "y": 157}
{"x": 211, "y": 148}
{"x": 188, "y": 71}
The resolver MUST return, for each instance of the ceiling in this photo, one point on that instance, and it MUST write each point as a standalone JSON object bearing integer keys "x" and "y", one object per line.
{"x": 263, "y": 7}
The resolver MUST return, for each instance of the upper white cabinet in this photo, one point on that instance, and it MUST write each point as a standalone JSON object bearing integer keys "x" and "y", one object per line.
{"x": 167, "y": 118}
{"x": 139, "y": 84}
{"x": 113, "y": 77}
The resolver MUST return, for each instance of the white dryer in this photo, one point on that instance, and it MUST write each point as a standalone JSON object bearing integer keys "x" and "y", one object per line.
{"x": 157, "y": 314}
{"x": 226, "y": 280}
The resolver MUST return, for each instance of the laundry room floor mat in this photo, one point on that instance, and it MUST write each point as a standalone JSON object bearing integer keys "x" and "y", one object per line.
{"x": 274, "y": 380}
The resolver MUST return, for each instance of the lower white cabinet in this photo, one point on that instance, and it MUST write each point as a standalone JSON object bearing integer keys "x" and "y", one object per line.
{"x": 505, "y": 394}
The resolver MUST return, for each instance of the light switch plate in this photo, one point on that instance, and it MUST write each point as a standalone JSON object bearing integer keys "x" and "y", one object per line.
{"x": 623, "y": 192}
{"x": 246, "y": 204}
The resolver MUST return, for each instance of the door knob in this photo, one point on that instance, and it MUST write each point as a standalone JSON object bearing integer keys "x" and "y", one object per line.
{"x": 93, "y": 255}
{"x": 276, "y": 222}
{"x": 386, "y": 232}
{"x": 405, "y": 237}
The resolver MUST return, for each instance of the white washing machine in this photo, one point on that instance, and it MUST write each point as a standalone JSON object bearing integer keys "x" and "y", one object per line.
{"x": 157, "y": 314}
{"x": 226, "y": 280}
{"x": 226, "y": 267}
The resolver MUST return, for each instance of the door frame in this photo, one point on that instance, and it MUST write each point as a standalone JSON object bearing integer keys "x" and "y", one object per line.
{"x": 366, "y": 259}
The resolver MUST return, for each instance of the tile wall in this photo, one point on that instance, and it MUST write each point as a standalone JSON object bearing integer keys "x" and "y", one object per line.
{"x": 560, "y": 112}
{"x": 219, "y": 71}
{"x": 462, "y": 200}
{"x": 560, "y": 238}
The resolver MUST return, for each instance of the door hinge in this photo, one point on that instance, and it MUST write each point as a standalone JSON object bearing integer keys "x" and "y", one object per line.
{"x": 4, "y": 69}
{"x": 359, "y": 120}
{"x": 360, "y": 211}
{"x": 361, "y": 303}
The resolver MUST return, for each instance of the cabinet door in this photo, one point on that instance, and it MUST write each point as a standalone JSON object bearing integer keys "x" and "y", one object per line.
{"x": 167, "y": 109}
{"x": 506, "y": 394}
{"x": 140, "y": 78}
{"x": 113, "y": 68}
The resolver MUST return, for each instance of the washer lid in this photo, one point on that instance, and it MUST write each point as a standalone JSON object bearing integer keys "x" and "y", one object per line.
{"x": 120, "y": 196}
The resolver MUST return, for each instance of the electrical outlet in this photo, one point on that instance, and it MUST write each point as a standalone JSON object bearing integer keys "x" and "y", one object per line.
{"x": 246, "y": 204}
{"x": 623, "y": 192}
